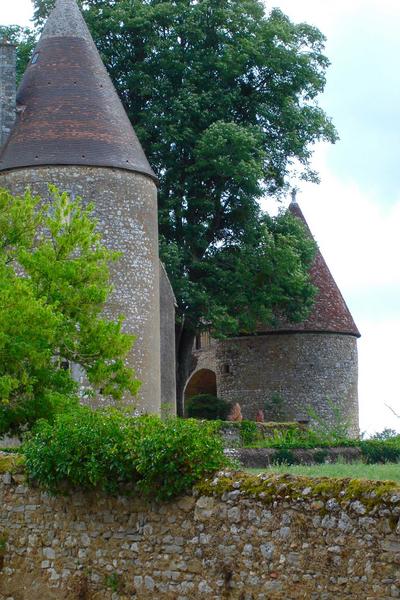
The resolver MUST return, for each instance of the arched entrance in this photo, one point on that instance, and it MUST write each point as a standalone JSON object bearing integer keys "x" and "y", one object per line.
{"x": 203, "y": 381}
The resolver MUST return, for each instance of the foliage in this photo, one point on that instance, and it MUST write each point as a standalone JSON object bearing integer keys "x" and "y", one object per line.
{"x": 336, "y": 427}
{"x": 172, "y": 455}
{"x": 385, "y": 434}
{"x": 54, "y": 281}
{"x": 107, "y": 450}
{"x": 85, "y": 448}
{"x": 223, "y": 97}
{"x": 319, "y": 457}
{"x": 114, "y": 583}
{"x": 381, "y": 450}
{"x": 207, "y": 406}
{"x": 25, "y": 40}
{"x": 283, "y": 456}
{"x": 296, "y": 437}
{"x": 248, "y": 432}
{"x": 275, "y": 407}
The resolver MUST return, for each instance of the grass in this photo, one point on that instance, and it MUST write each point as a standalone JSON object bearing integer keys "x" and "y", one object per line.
{"x": 381, "y": 472}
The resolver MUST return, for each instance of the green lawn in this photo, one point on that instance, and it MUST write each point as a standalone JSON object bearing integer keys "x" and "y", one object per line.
{"x": 360, "y": 470}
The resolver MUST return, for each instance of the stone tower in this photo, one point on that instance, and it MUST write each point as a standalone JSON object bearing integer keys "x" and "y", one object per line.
{"x": 289, "y": 369}
{"x": 72, "y": 130}
{"x": 7, "y": 89}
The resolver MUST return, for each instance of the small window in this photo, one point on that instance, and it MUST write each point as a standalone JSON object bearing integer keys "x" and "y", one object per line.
{"x": 203, "y": 340}
{"x": 35, "y": 58}
{"x": 226, "y": 369}
{"x": 198, "y": 342}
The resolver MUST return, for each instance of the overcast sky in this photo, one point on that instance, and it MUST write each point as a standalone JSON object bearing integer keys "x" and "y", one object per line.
{"x": 355, "y": 212}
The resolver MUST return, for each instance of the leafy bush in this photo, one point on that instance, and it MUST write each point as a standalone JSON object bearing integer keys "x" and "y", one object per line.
{"x": 248, "y": 432}
{"x": 335, "y": 429}
{"x": 107, "y": 450}
{"x": 207, "y": 406}
{"x": 85, "y": 448}
{"x": 381, "y": 451}
{"x": 284, "y": 457}
{"x": 172, "y": 455}
{"x": 301, "y": 438}
{"x": 319, "y": 456}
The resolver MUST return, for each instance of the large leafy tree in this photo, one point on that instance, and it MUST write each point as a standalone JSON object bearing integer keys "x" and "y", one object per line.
{"x": 54, "y": 281}
{"x": 223, "y": 97}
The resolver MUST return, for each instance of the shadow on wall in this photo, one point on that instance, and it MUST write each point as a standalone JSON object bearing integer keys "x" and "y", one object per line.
{"x": 203, "y": 381}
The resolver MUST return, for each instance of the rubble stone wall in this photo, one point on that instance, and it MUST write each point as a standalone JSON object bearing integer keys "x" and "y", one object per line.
{"x": 237, "y": 537}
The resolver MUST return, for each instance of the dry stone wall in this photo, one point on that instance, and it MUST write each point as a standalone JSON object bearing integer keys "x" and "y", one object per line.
{"x": 237, "y": 537}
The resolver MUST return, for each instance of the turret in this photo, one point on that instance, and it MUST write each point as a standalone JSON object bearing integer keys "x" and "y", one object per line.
{"x": 7, "y": 89}
{"x": 293, "y": 371}
{"x": 72, "y": 130}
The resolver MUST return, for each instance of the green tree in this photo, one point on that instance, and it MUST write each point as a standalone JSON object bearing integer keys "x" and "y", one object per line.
{"x": 54, "y": 280}
{"x": 25, "y": 39}
{"x": 223, "y": 97}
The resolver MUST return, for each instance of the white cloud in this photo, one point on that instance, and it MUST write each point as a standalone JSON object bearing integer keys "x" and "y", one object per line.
{"x": 17, "y": 12}
{"x": 356, "y": 232}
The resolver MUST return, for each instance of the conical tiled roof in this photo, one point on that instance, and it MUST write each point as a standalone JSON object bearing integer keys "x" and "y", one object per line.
{"x": 330, "y": 313}
{"x": 68, "y": 110}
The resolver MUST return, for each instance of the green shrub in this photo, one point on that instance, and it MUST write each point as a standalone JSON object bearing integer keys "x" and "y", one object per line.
{"x": 172, "y": 455}
{"x": 334, "y": 430}
{"x": 284, "y": 457}
{"x": 380, "y": 451}
{"x": 319, "y": 456}
{"x": 248, "y": 432}
{"x": 207, "y": 406}
{"x": 107, "y": 450}
{"x": 85, "y": 448}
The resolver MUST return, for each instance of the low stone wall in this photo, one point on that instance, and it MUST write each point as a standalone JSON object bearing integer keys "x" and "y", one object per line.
{"x": 237, "y": 537}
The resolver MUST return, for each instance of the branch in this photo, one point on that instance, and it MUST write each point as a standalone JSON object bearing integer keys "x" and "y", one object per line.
{"x": 393, "y": 411}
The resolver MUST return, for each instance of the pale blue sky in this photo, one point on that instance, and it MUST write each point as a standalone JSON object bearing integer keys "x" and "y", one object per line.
{"x": 355, "y": 212}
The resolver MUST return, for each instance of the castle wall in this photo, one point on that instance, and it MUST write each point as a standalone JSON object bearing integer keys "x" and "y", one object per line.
{"x": 126, "y": 208}
{"x": 7, "y": 89}
{"x": 326, "y": 540}
{"x": 167, "y": 340}
{"x": 289, "y": 373}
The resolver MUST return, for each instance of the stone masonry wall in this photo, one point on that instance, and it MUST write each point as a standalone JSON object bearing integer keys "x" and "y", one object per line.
{"x": 238, "y": 537}
{"x": 126, "y": 208}
{"x": 297, "y": 371}
{"x": 7, "y": 89}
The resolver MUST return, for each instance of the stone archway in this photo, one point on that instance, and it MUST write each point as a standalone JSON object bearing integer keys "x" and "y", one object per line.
{"x": 203, "y": 381}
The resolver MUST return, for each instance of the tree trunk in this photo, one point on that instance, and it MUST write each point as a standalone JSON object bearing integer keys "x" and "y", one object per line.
{"x": 184, "y": 345}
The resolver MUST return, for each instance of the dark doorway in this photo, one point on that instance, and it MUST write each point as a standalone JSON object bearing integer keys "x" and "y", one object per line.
{"x": 203, "y": 381}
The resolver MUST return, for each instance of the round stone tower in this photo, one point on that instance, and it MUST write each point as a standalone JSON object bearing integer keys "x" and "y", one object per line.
{"x": 294, "y": 369}
{"x": 72, "y": 131}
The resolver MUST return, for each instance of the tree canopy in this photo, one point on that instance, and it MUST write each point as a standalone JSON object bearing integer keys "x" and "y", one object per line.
{"x": 54, "y": 281}
{"x": 224, "y": 98}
